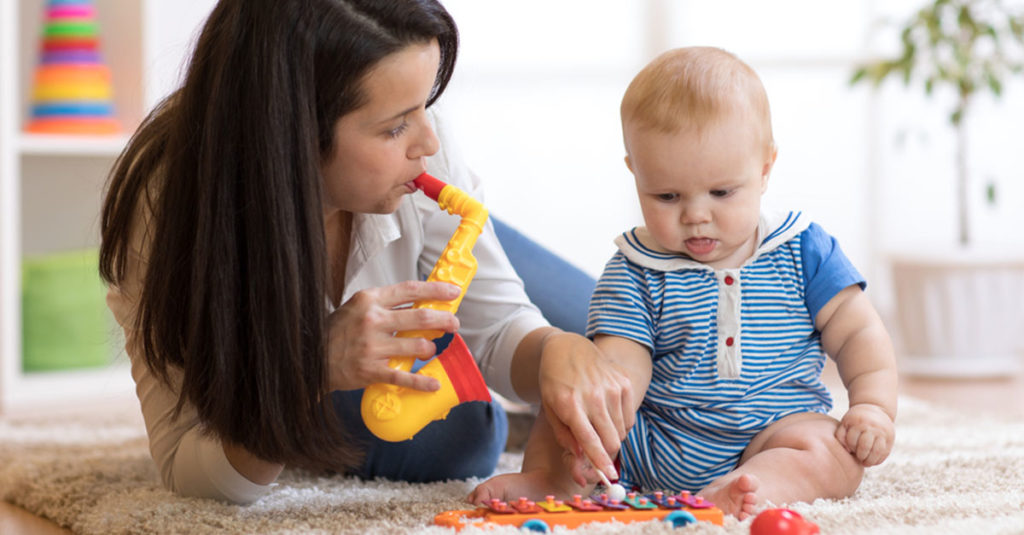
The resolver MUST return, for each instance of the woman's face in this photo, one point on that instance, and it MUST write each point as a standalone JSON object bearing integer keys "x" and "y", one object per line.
{"x": 379, "y": 148}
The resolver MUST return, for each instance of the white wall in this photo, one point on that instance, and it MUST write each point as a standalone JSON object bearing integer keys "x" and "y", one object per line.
{"x": 536, "y": 93}
{"x": 535, "y": 100}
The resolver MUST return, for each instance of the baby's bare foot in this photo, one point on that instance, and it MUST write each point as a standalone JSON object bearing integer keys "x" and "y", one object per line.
{"x": 735, "y": 496}
{"x": 510, "y": 487}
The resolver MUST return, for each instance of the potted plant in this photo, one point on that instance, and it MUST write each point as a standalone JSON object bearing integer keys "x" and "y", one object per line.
{"x": 959, "y": 314}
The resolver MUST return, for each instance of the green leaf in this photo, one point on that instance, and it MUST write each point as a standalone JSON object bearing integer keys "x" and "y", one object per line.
{"x": 909, "y": 53}
{"x": 990, "y": 31}
{"x": 993, "y": 83}
{"x": 903, "y": 66}
{"x": 906, "y": 36}
{"x": 1017, "y": 27}
{"x": 858, "y": 75}
{"x": 991, "y": 194}
{"x": 940, "y": 47}
{"x": 934, "y": 27}
{"x": 966, "y": 87}
{"x": 968, "y": 21}
{"x": 964, "y": 18}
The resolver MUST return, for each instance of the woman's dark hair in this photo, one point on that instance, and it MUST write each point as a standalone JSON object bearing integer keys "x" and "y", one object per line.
{"x": 229, "y": 166}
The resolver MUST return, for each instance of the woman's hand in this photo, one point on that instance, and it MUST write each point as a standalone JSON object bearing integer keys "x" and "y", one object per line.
{"x": 588, "y": 401}
{"x": 361, "y": 334}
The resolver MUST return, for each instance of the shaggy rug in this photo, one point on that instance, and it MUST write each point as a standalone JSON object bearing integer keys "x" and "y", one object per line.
{"x": 949, "y": 473}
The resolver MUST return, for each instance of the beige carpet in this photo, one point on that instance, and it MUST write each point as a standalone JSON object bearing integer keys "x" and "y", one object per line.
{"x": 949, "y": 473}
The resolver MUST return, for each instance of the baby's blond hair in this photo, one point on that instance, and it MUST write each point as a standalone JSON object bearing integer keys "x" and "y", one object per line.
{"x": 692, "y": 87}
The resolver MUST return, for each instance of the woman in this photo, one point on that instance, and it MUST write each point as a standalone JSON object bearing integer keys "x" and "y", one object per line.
{"x": 259, "y": 233}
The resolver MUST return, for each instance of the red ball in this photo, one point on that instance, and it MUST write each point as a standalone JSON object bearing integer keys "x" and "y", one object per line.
{"x": 781, "y": 522}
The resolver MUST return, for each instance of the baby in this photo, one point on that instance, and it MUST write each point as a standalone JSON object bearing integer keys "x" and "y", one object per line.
{"x": 722, "y": 315}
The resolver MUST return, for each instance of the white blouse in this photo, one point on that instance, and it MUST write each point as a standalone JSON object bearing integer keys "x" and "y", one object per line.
{"x": 386, "y": 249}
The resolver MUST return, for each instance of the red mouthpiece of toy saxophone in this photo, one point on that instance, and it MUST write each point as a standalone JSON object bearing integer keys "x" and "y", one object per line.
{"x": 429, "y": 185}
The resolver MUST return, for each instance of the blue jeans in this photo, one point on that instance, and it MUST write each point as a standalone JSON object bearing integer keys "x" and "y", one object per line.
{"x": 468, "y": 442}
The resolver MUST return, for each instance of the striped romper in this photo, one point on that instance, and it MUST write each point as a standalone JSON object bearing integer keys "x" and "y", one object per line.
{"x": 733, "y": 350}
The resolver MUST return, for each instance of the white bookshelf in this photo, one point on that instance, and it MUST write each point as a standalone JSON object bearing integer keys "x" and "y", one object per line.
{"x": 51, "y": 186}
{"x": 71, "y": 146}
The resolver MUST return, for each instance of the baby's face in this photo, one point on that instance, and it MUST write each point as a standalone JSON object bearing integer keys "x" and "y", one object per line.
{"x": 701, "y": 194}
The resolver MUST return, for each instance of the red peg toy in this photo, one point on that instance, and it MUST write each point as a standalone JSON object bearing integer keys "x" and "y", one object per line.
{"x": 782, "y": 522}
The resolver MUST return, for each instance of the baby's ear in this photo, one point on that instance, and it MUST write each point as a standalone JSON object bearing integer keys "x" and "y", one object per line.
{"x": 629, "y": 164}
{"x": 769, "y": 162}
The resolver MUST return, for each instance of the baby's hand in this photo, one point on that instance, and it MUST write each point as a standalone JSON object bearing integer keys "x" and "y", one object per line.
{"x": 867, "y": 432}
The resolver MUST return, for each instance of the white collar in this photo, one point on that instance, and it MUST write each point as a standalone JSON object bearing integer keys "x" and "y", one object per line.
{"x": 773, "y": 229}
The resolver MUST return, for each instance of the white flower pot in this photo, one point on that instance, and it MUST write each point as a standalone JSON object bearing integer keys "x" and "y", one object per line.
{"x": 960, "y": 314}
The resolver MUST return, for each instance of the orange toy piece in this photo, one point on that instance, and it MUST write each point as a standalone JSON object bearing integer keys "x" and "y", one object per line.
{"x": 677, "y": 510}
{"x": 393, "y": 413}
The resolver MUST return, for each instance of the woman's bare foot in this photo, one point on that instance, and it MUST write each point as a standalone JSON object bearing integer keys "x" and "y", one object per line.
{"x": 734, "y": 495}
{"x": 510, "y": 487}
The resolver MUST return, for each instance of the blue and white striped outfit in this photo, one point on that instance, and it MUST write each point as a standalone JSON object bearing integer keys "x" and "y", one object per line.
{"x": 733, "y": 350}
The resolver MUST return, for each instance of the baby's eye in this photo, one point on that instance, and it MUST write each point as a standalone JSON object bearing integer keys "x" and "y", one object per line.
{"x": 667, "y": 197}
{"x": 720, "y": 193}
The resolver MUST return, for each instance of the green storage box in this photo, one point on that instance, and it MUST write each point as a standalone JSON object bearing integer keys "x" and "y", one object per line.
{"x": 65, "y": 321}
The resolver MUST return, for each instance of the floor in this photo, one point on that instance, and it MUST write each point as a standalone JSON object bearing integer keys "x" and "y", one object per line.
{"x": 1003, "y": 396}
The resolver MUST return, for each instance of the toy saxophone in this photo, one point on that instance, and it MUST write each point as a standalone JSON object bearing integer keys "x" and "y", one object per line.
{"x": 394, "y": 413}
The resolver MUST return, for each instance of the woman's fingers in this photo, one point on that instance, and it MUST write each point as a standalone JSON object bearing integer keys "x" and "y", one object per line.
{"x": 587, "y": 439}
{"x": 589, "y": 395}
{"x": 377, "y": 308}
{"x": 411, "y": 319}
{"x": 565, "y": 439}
{"x": 369, "y": 371}
{"x": 413, "y": 381}
{"x": 620, "y": 409}
{"x": 363, "y": 334}
{"x": 407, "y": 292}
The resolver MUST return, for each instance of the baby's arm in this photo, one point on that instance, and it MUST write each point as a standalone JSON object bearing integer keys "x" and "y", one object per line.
{"x": 853, "y": 335}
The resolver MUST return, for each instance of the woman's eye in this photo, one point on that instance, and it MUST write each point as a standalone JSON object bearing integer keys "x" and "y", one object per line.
{"x": 397, "y": 131}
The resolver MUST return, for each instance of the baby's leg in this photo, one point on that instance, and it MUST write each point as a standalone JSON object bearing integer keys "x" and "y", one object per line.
{"x": 796, "y": 459}
{"x": 547, "y": 470}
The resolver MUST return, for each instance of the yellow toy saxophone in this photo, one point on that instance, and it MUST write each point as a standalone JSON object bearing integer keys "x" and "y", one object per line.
{"x": 394, "y": 413}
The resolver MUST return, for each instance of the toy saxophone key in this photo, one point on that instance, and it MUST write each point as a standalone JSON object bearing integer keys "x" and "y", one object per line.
{"x": 394, "y": 413}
